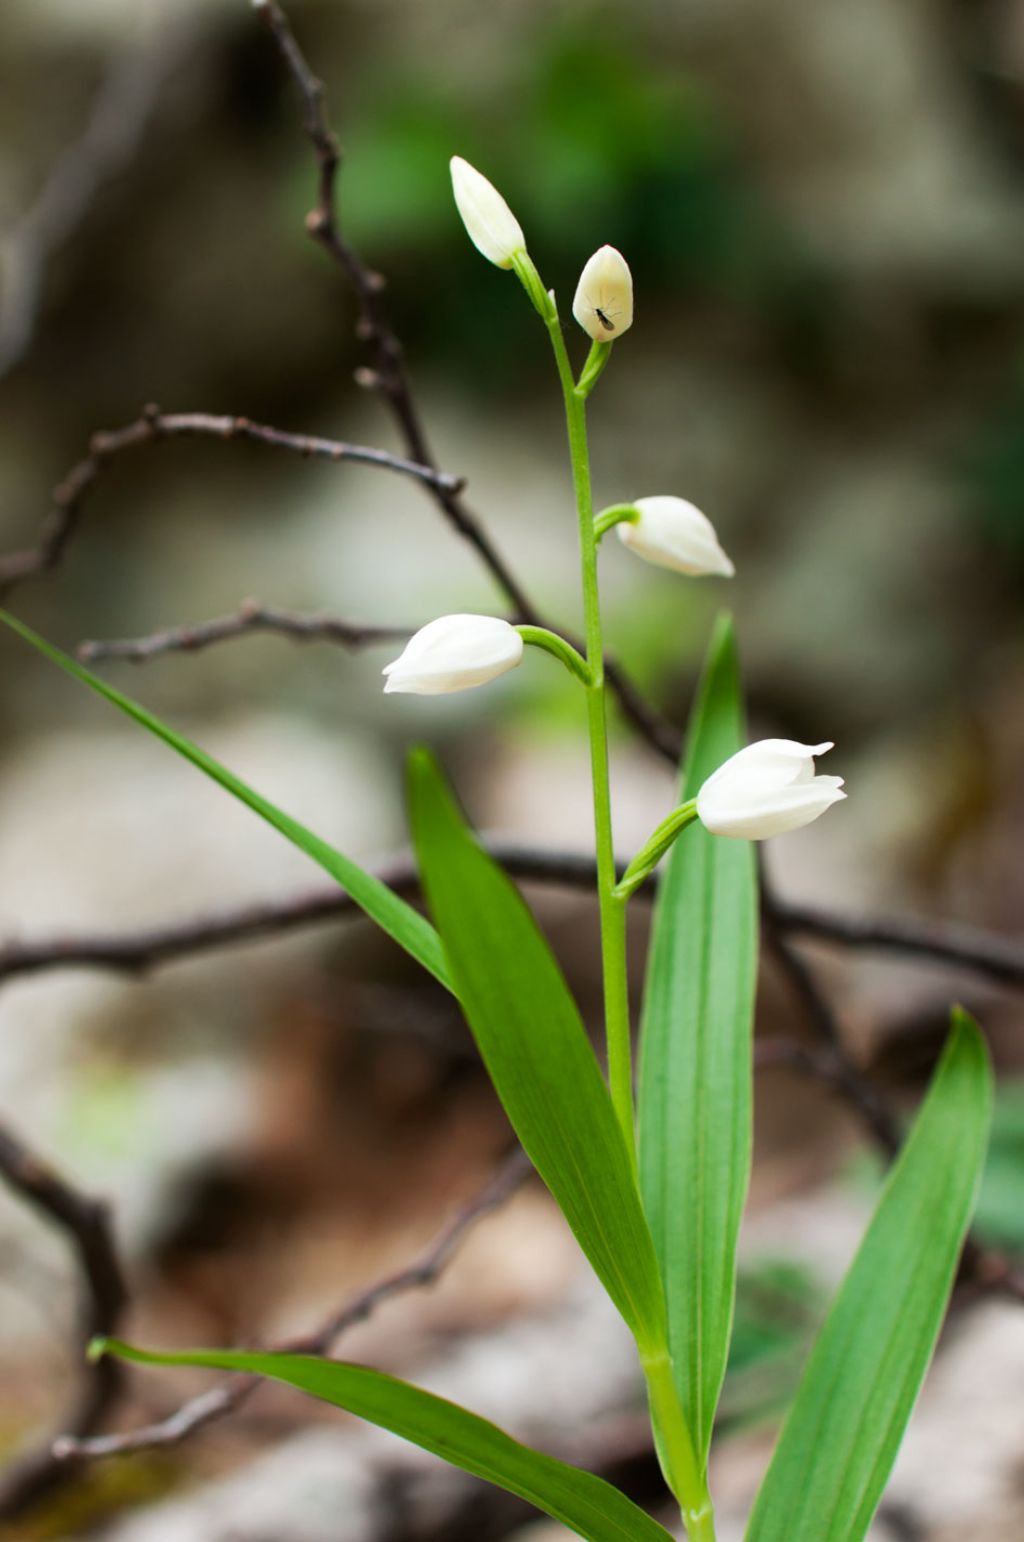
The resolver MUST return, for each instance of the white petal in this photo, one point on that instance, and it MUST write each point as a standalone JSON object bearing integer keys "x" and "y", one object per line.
{"x": 490, "y": 223}
{"x": 788, "y": 809}
{"x": 767, "y": 788}
{"x": 454, "y": 653}
{"x": 673, "y": 533}
{"x": 603, "y": 303}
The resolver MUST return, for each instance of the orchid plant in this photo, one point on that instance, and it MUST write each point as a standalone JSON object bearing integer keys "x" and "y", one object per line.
{"x": 651, "y": 1174}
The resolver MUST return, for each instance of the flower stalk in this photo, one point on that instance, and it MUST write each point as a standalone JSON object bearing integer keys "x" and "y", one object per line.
{"x": 612, "y": 908}
{"x": 541, "y": 637}
{"x": 655, "y": 847}
{"x": 684, "y": 1472}
{"x": 614, "y": 514}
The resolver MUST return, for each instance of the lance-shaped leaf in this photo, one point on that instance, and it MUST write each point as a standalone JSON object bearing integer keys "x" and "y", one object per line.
{"x": 588, "y": 1505}
{"x": 695, "y": 1063}
{"x": 408, "y": 928}
{"x": 840, "y": 1440}
{"x": 530, "y": 1035}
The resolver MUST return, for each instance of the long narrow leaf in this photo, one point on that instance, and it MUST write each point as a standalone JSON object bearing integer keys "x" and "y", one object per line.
{"x": 408, "y": 928}
{"x": 695, "y": 1074}
{"x": 588, "y": 1505}
{"x": 529, "y": 1032}
{"x": 841, "y": 1437}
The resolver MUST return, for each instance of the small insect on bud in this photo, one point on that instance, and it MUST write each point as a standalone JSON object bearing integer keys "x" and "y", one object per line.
{"x": 490, "y": 223}
{"x": 603, "y": 305}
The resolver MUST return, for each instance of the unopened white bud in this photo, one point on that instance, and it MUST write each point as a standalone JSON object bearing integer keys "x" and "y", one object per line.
{"x": 454, "y": 653}
{"x": 490, "y": 223}
{"x": 603, "y": 304}
{"x": 766, "y": 789}
{"x": 674, "y": 534}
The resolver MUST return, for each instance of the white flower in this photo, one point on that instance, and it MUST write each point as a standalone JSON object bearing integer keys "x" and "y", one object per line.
{"x": 490, "y": 223}
{"x": 454, "y": 653}
{"x": 766, "y": 789}
{"x": 674, "y": 534}
{"x": 603, "y": 304}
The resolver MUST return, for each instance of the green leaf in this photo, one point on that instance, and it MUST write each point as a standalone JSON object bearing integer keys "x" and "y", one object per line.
{"x": 530, "y": 1035}
{"x": 588, "y": 1505}
{"x": 840, "y": 1440}
{"x": 408, "y": 928}
{"x": 695, "y": 1060}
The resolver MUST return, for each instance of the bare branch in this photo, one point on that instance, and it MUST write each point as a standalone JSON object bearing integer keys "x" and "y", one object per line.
{"x": 390, "y": 376}
{"x": 103, "y": 1298}
{"x": 250, "y": 618}
{"x": 153, "y": 426}
{"x": 833, "y": 1064}
{"x": 946, "y": 942}
{"x": 136, "y": 952}
{"x": 116, "y": 123}
{"x": 423, "y": 1272}
{"x": 831, "y": 1068}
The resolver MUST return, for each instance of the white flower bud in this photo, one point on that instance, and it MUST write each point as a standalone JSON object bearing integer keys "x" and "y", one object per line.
{"x": 454, "y": 653}
{"x": 766, "y": 789}
{"x": 603, "y": 304}
{"x": 490, "y": 223}
{"x": 674, "y": 534}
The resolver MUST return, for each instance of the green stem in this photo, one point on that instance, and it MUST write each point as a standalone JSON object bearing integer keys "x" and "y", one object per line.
{"x": 541, "y": 637}
{"x": 612, "y": 909}
{"x": 655, "y": 847}
{"x": 593, "y": 369}
{"x": 615, "y": 514}
{"x": 685, "y": 1474}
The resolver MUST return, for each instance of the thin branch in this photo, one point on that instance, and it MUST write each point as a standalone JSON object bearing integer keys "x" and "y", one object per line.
{"x": 103, "y": 1298}
{"x": 390, "y": 377}
{"x": 214, "y": 1404}
{"x": 117, "y": 121}
{"x": 832, "y": 1069}
{"x": 151, "y": 427}
{"x": 946, "y": 942}
{"x": 251, "y": 617}
{"x": 134, "y": 953}
{"x": 834, "y": 1063}
{"x": 137, "y": 952}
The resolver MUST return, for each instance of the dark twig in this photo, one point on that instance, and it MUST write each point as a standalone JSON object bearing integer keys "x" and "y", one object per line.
{"x": 136, "y": 952}
{"x": 832, "y": 1070}
{"x": 424, "y": 1271}
{"x": 1000, "y": 958}
{"x": 834, "y": 1064}
{"x": 103, "y": 1298}
{"x": 152, "y": 426}
{"x": 115, "y": 126}
{"x": 250, "y": 618}
{"x": 389, "y": 375}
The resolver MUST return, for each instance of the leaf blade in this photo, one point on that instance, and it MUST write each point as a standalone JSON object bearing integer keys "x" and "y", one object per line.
{"x": 695, "y": 1083}
{"x": 408, "y": 928}
{"x": 533, "y": 1042}
{"x": 587, "y": 1504}
{"x": 855, "y": 1398}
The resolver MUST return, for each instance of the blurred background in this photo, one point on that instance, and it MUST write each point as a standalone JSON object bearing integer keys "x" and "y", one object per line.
{"x": 823, "y": 208}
